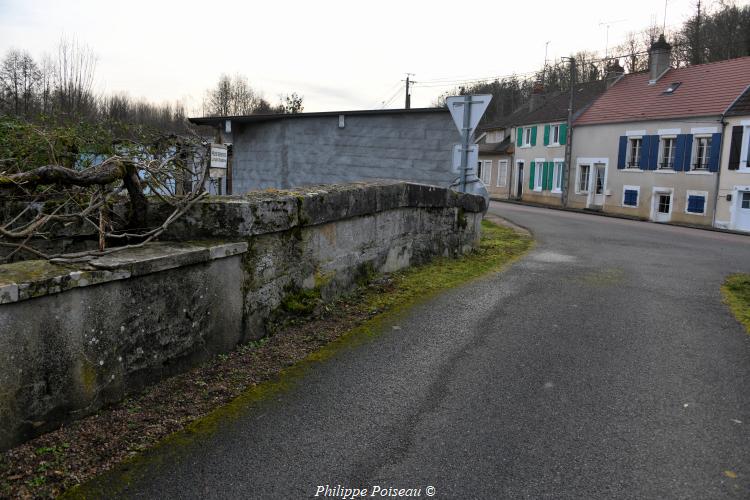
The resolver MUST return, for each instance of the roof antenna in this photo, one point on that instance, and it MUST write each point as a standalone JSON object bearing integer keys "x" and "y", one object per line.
{"x": 664, "y": 26}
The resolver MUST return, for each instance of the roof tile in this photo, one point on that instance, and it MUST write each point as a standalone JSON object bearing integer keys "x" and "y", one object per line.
{"x": 705, "y": 90}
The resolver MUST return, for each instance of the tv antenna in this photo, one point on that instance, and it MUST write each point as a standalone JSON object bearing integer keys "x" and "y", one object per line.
{"x": 607, "y": 24}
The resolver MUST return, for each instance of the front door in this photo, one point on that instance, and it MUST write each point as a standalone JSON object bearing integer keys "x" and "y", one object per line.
{"x": 519, "y": 185}
{"x": 662, "y": 206}
{"x": 742, "y": 213}
{"x": 599, "y": 181}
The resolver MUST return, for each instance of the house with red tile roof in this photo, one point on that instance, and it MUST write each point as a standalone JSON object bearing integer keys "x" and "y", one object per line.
{"x": 650, "y": 146}
{"x": 733, "y": 202}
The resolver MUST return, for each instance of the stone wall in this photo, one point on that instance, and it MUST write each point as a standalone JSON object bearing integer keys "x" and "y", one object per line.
{"x": 73, "y": 338}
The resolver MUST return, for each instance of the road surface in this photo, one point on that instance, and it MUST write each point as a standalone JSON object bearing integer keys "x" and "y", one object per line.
{"x": 602, "y": 365}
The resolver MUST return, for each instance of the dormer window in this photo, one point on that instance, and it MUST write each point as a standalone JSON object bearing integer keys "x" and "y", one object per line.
{"x": 672, "y": 88}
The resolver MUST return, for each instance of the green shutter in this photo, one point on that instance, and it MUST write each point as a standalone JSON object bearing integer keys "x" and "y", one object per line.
{"x": 544, "y": 176}
{"x": 563, "y": 133}
{"x": 546, "y": 135}
{"x": 551, "y": 176}
{"x": 533, "y": 136}
{"x": 519, "y": 136}
{"x": 531, "y": 176}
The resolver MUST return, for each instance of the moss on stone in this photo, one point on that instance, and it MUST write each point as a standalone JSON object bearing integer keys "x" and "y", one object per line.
{"x": 30, "y": 270}
{"x": 301, "y": 302}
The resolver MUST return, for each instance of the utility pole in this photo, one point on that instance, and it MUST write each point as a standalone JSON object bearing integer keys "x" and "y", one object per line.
{"x": 569, "y": 139}
{"x": 407, "y": 104}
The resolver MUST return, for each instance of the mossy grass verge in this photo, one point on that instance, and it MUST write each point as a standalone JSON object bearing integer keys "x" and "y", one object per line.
{"x": 100, "y": 455}
{"x": 736, "y": 291}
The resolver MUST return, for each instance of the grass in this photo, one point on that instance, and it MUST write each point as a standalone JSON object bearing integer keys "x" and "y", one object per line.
{"x": 736, "y": 291}
{"x": 170, "y": 417}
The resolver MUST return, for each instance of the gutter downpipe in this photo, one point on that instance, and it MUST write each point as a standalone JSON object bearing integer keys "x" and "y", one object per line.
{"x": 718, "y": 170}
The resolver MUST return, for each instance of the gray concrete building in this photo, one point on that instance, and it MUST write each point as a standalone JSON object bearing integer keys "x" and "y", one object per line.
{"x": 285, "y": 151}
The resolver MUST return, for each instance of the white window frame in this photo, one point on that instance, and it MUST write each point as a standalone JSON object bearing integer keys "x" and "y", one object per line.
{"x": 745, "y": 149}
{"x": 696, "y": 193}
{"x": 526, "y": 137}
{"x": 637, "y": 199}
{"x": 552, "y": 129}
{"x": 579, "y": 169}
{"x": 656, "y": 191}
{"x": 502, "y": 173}
{"x": 557, "y": 176}
{"x": 662, "y": 150}
{"x": 629, "y": 153}
{"x": 694, "y": 155}
{"x": 486, "y": 172}
{"x": 538, "y": 179}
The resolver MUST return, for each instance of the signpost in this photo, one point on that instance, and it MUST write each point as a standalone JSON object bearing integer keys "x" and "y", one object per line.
{"x": 466, "y": 111}
{"x": 473, "y": 157}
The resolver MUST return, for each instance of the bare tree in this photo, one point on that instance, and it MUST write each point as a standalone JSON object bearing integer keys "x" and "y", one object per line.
{"x": 41, "y": 201}
{"x": 74, "y": 79}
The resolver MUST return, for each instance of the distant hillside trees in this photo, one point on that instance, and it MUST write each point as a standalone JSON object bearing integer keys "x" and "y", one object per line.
{"x": 716, "y": 34}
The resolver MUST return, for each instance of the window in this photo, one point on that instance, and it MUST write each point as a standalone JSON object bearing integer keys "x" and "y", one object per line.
{"x": 672, "y": 88}
{"x": 584, "y": 171}
{"x": 539, "y": 171}
{"x": 696, "y": 202}
{"x": 554, "y": 134}
{"x": 527, "y": 137}
{"x": 486, "y": 172}
{"x": 557, "y": 176}
{"x": 664, "y": 203}
{"x": 667, "y": 153}
{"x": 702, "y": 152}
{"x": 634, "y": 152}
{"x": 745, "y": 201}
{"x": 502, "y": 173}
{"x": 630, "y": 196}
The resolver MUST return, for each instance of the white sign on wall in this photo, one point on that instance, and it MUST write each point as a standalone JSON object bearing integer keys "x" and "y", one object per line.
{"x": 218, "y": 166}
{"x": 218, "y": 156}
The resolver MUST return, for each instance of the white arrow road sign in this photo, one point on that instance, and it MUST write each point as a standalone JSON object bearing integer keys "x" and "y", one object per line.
{"x": 472, "y": 160}
{"x": 477, "y": 106}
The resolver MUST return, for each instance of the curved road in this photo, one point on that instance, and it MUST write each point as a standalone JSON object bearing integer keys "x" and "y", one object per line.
{"x": 602, "y": 365}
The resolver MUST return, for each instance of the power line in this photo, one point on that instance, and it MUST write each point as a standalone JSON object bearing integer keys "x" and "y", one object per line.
{"x": 390, "y": 100}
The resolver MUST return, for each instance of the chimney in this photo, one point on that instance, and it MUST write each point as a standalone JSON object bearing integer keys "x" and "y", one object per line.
{"x": 536, "y": 98}
{"x": 659, "y": 56}
{"x": 614, "y": 73}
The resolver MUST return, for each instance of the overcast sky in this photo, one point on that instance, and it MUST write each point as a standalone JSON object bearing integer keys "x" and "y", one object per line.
{"x": 338, "y": 54}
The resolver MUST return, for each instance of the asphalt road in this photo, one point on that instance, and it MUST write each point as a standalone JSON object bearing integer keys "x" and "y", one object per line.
{"x": 602, "y": 365}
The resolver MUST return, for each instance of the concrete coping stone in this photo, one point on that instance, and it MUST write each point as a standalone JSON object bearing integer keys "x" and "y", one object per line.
{"x": 36, "y": 278}
{"x": 274, "y": 210}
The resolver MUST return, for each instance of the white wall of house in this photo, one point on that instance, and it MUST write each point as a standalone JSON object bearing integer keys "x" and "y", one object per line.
{"x": 733, "y": 203}
{"x": 547, "y": 157}
{"x": 657, "y": 192}
{"x": 495, "y": 171}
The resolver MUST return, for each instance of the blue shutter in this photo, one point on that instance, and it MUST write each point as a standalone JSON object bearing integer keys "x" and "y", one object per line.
{"x": 622, "y": 151}
{"x": 696, "y": 204}
{"x": 654, "y": 153}
{"x": 679, "y": 152}
{"x": 713, "y": 159}
{"x": 645, "y": 152}
{"x": 688, "y": 152}
{"x": 631, "y": 197}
